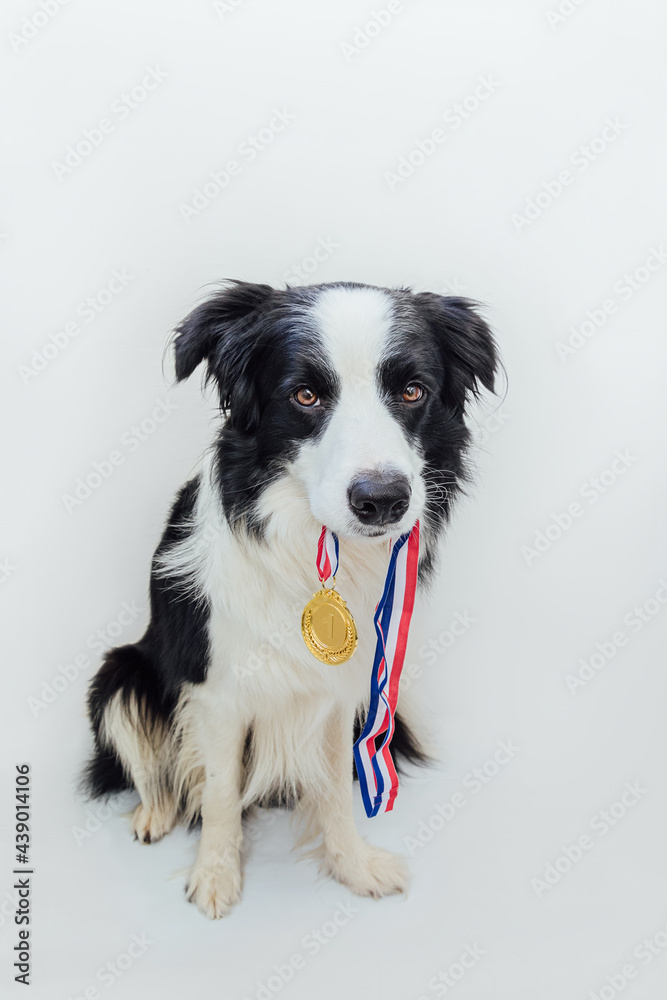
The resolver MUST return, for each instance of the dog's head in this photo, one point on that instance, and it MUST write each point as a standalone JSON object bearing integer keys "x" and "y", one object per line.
{"x": 347, "y": 397}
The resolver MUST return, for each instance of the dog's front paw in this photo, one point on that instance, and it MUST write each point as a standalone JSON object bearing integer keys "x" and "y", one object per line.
{"x": 215, "y": 884}
{"x": 369, "y": 871}
{"x": 151, "y": 823}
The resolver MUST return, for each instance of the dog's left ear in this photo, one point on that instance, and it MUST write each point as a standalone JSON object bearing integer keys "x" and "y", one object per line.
{"x": 227, "y": 332}
{"x": 466, "y": 345}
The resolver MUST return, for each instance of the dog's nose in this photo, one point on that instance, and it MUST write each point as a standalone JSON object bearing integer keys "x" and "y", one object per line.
{"x": 379, "y": 497}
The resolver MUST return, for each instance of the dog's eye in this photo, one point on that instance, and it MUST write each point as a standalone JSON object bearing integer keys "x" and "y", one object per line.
{"x": 412, "y": 393}
{"x": 305, "y": 396}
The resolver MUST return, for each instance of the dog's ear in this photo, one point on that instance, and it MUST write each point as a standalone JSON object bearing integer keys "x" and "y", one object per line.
{"x": 466, "y": 345}
{"x": 226, "y": 332}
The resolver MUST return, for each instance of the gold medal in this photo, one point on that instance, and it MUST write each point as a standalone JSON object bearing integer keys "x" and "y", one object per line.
{"x": 328, "y": 627}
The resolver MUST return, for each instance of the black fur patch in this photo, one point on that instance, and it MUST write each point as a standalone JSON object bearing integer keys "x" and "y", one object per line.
{"x": 260, "y": 347}
{"x": 443, "y": 344}
{"x": 151, "y": 672}
{"x": 177, "y": 636}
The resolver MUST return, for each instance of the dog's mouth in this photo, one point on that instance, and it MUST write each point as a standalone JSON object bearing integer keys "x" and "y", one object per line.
{"x": 372, "y": 532}
{"x": 360, "y": 531}
{"x": 375, "y": 531}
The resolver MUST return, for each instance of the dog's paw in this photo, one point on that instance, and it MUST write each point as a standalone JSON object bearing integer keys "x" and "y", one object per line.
{"x": 215, "y": 884}
{"x": 370, "y": 871}
{"x": 151, "y": 823}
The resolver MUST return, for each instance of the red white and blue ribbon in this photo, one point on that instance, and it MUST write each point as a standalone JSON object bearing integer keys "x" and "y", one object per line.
{"x": 378, "y": 779}
{"x": 327, "y": 555}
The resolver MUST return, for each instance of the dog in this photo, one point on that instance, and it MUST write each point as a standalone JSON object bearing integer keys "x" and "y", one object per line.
{"x": 341, "y": 405}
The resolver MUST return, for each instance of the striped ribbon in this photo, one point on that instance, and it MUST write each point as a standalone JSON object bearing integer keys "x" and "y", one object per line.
{"x": 378, "y": 779}
{"x": 327, "y": 555}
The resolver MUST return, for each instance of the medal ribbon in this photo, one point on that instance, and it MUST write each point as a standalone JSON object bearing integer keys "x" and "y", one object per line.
{"x": 378, "y": 779}
{"x": 327, "y": 555}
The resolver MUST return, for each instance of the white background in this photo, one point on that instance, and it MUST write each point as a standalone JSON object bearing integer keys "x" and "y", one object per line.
{"x": 448, "y": 227}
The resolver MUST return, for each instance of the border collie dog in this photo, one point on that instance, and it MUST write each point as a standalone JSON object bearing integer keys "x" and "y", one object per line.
{"x": 341, "y": 405}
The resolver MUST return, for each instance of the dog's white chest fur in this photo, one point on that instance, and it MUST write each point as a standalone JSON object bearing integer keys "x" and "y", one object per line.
{"x": 260, "y": 671}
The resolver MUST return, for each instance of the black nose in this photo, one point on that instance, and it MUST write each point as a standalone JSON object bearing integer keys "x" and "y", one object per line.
{"x": 379, "y": 497}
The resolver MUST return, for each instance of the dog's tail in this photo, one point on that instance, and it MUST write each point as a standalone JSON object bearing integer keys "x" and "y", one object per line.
{"x": 130, "y": 723}
{"x": 405, "y": 746}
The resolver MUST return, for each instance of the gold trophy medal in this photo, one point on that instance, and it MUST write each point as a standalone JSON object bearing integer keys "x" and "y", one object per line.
{"x": 328, "y": 627}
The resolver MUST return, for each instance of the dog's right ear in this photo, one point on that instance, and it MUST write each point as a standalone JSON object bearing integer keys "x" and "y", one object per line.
{"x": 466, "y": 345}
{"x": 225, "y": 332}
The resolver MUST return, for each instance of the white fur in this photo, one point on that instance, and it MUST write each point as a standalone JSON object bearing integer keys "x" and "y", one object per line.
{"x": 356, "y": 326}
{"x": 146, "y": 756}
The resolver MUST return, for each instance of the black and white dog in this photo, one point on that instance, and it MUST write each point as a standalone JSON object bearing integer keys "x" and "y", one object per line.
{"x": 343, "y": 405}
